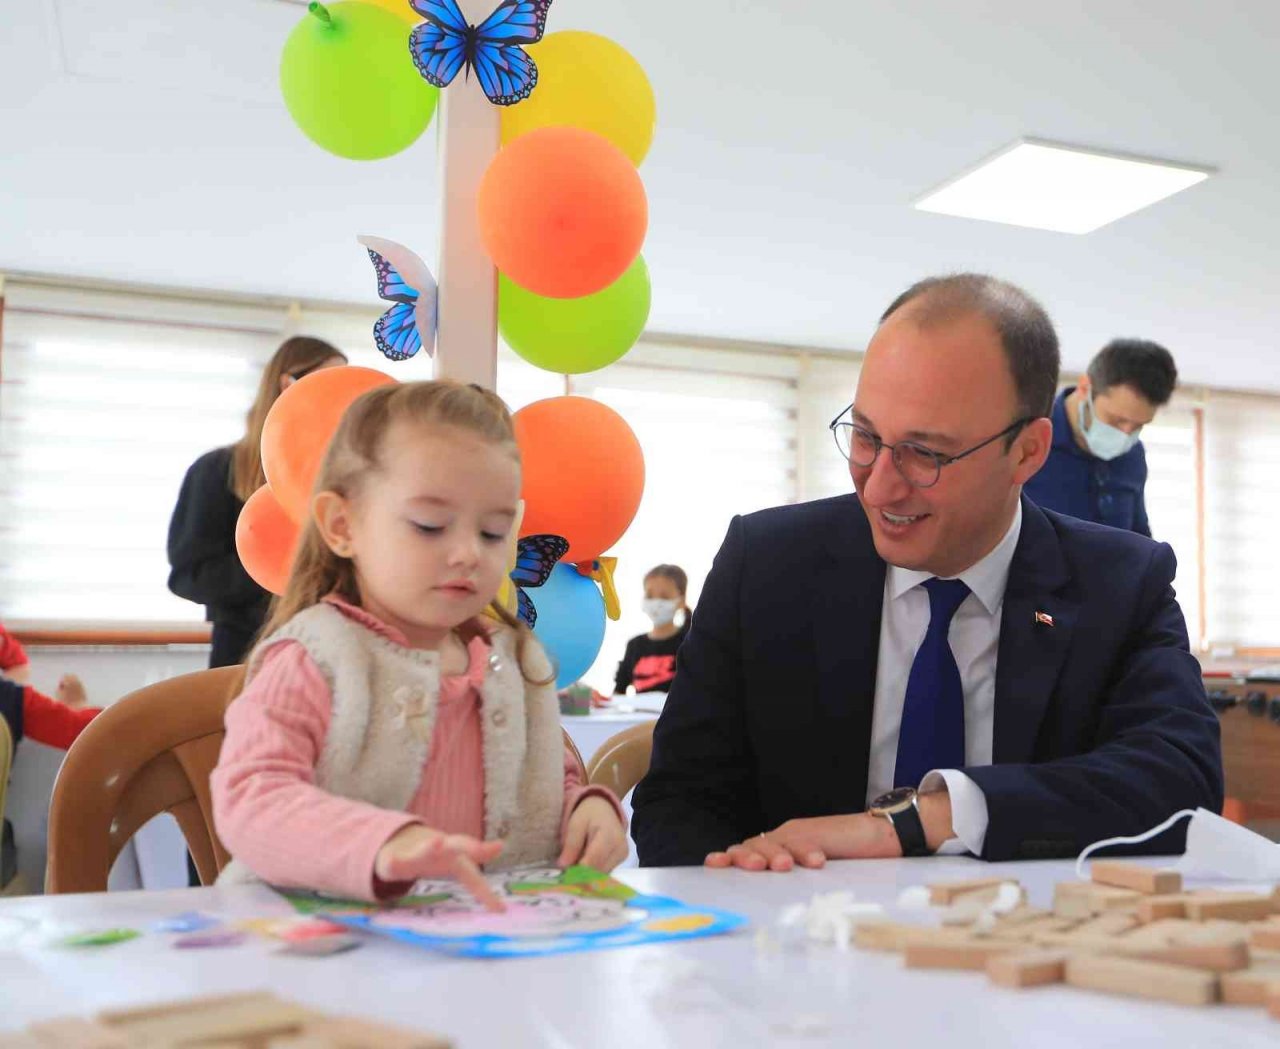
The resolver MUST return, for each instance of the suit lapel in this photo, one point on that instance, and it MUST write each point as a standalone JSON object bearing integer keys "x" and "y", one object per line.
{"x": 846, "y": 607}
{"x": 1031, "y": 650}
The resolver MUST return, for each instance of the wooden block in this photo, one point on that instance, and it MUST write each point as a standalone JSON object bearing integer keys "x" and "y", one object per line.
{"x": 1149, "y": 880}
{"x": 226, "y": 1018}
{"x": 1157, "y": 908}
{"x": 1027, "y": 968}
{"x": 944, "y": 893}
{"x": 971, "y": 954}
{"x": 1233, "y": 906}
{"x": 74, "y": 1033}
{"x": 1212, "y": 957}
{"x": 1027, "y": 932}
{"x": 1273, "y": 1001}
{"x": 1249, "y": 986}
{"x": 1081, "y": 899}
{"x": 1024, "y": 914}
{"x": 1161, "y": 931}
{"x": 340, "y": 1033}
{"x": 1106, "y": 925}
{"x": 881, "y": 935}
{"x": 1142, "y": 979}
{"x": 1073, "y": 899}
{"x": 1265, "y": 936}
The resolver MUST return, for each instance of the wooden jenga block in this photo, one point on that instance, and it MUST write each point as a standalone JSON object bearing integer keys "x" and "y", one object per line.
{"x": 1213, "y": 957}
{"x": 1273, "y": 1001}
{"x": 1265, "y": 936}
{"x": 1157, "y": 908}
{"x": 74, "y": 1033}
{"x": 970, "y": 954}
{"x": 1149, "y": 880}
{"x": 1081, "y": 899}
{"x": 357, "y": 1034}
{"x": 1027, "y": 968}
{"x": 1142, "y": 979}
{"x": 1233, "y": 906}
{"x": 944, "y": 893}
{"x": 881, "y": 935}
{"x": 1160, "y": 932}
{"x": 1029, "y": 931}
{"x": 1249, "y": 986}
{"x": 1106, "y": 925}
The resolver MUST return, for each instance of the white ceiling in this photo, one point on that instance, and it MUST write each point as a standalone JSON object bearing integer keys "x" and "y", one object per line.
{"x": 146, "y": 141}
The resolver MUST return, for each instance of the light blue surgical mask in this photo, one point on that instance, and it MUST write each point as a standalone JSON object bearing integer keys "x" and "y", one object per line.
{"x": 1104, "y": 441}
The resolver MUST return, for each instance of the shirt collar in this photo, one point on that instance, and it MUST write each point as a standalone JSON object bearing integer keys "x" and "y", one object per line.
{"x": 986, "y": 579}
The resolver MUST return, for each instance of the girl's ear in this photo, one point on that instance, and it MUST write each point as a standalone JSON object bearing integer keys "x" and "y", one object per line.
{"x": 332, "y": 513}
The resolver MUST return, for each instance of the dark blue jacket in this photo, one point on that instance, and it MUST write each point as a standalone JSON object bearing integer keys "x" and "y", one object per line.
{"x": 1079, "y": 484}
{"x": 1102, "y": 727}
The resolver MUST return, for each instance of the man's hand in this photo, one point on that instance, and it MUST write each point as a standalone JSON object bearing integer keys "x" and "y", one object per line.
{"x": 811, "y": 842}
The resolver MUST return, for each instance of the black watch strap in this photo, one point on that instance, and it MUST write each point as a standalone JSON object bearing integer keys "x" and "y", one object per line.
{"x": 910, "y": 831}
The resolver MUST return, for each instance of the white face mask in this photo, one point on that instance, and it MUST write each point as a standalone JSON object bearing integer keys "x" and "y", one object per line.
{"x": 661, "y": 611}
{"x": 1104, "y": 441}
{"x": 1216, "y": 848}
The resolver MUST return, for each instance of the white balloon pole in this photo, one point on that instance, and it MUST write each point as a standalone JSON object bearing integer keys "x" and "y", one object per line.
{"x": 469, "y": 137}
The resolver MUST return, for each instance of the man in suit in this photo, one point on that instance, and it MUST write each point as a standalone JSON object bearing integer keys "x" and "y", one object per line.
{"x": 1022, "y": 678}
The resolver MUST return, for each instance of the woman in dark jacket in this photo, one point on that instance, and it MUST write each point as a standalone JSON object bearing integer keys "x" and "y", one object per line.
{"x": 202, "y": 533}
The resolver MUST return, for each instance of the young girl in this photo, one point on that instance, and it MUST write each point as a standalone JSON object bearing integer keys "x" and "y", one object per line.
{"x": 387, "y": 732}
{"x": 649, "y": 663}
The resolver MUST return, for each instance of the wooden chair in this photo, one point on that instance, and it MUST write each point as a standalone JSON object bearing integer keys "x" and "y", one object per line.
{"x": 622, "y": 759}
{"x": 151, "y": 752}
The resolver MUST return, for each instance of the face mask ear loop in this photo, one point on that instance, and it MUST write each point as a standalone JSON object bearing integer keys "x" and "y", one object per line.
{"x": 1137, "y": 839}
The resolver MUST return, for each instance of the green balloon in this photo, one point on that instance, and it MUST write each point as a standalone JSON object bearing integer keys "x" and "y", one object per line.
{"x": 350, "y": 83}
{"x": 575, "y": 335}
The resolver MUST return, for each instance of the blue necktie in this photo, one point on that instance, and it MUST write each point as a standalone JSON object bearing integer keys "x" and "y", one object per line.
{"x": 931, "y": 735}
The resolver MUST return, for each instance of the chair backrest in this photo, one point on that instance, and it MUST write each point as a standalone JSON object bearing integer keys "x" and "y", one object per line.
{"x": 151, "y": 752}
{"x": 148, "y": 753}
{"x": 622, "y": 759}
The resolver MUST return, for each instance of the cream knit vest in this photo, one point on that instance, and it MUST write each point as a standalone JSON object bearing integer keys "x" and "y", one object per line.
{"x": 383, "y": 712}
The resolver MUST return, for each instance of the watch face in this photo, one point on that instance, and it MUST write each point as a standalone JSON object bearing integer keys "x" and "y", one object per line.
{"x": 898, "y": 798}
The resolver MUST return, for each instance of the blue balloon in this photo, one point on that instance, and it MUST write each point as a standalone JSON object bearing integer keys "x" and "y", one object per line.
{"x": 570, "y": 622}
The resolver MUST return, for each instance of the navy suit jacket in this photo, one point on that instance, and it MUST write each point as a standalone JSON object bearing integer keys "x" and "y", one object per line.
{"x": 1102, "y": 727}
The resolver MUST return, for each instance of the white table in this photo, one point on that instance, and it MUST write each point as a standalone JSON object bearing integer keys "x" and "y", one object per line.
{"x": 714, "y": 992}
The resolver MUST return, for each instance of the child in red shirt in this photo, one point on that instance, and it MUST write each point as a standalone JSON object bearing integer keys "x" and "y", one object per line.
{"x": 56, "y": 722}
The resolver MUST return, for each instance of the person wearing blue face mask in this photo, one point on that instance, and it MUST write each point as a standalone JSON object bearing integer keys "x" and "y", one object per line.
{"x": 1097, "y": 468}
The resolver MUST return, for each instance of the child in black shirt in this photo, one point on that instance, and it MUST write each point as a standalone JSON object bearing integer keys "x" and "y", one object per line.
{"x": 649, "y": 664}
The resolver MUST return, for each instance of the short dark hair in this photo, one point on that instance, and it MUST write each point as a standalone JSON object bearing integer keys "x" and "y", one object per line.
{"x": 1146, "y": 366}
{"x": 1026, "y": 332}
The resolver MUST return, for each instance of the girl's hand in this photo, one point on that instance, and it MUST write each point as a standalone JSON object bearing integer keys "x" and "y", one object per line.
{"x": 594, "y": 836}
{"x": 416, "y": 852}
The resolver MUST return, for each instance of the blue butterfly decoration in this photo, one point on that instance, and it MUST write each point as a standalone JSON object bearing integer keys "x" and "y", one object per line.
{"x": 404, "y": 280}
{"x": 445, "y": 43}
{"x": 536, "y": 556}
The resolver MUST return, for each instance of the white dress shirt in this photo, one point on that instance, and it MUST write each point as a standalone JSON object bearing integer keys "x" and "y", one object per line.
{"x": 974, "y": 639}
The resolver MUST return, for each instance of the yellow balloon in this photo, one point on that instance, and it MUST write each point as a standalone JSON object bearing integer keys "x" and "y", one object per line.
{"x": 587, "y": 81}
{"x": 397, "y": 7}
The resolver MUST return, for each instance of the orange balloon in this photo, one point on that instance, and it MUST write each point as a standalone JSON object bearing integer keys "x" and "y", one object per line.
{"x": 300, "y": 426}
{"x": 266, "y": 539}
{"x": 583, "y": 473}
{"x": 562, "y": 212}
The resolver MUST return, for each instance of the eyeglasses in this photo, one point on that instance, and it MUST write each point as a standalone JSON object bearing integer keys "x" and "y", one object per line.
{"x": 920, "y": 466}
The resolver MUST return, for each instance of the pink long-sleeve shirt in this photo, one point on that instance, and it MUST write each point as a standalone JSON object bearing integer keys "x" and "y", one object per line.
{"x": 273, "y": 817}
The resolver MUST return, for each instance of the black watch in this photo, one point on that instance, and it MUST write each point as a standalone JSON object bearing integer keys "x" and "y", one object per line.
{"x": 899, "y": 807}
